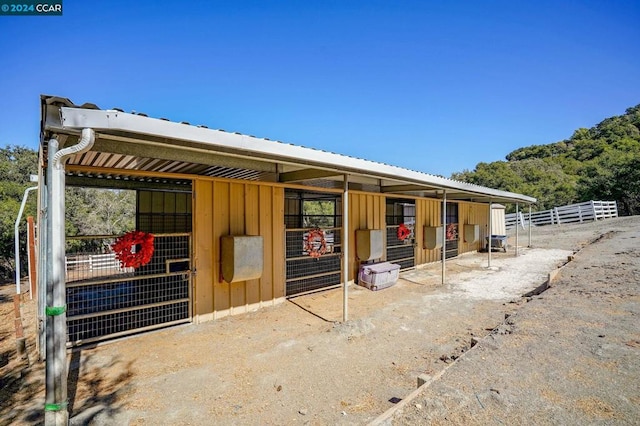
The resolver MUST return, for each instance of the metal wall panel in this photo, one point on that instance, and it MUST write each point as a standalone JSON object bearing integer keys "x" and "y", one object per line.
{"x": 236, "y": 208}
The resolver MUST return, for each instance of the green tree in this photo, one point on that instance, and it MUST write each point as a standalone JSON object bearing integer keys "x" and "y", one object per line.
{"x": 596, "y": 163}
{"x": 16, "y": 165}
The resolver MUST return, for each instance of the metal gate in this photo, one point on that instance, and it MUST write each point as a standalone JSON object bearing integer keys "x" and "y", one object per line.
{"x": 402, "y": 252}
{"x": 451, "y": 243}
{"x": 105, "y": 300}
{"x": 306, "y": 273}
{"x": 307, "y": 212}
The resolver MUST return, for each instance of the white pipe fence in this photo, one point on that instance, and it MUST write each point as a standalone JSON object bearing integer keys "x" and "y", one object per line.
{"x": 573, "y": 213}
{"x": 93, "y": 262}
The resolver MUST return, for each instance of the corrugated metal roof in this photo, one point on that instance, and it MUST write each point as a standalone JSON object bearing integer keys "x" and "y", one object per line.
{"x": 134, "y": 141}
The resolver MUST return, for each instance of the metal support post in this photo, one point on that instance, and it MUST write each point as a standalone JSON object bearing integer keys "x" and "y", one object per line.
{"x": 517, "y": 225}
{"x": 444, "y": 234}
{"x": 345, "y": 249}
{"x": 529, "y": 225}
{"x": 490, "y": 234}
{"x": 55, "y": 407}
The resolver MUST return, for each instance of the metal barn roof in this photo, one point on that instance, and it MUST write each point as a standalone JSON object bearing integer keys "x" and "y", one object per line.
{"x": 128, "y": 145}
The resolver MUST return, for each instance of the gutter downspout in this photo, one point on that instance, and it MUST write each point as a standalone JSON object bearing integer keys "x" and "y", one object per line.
{"x": 17, "y": 236}
{"x": 55, "y": 407}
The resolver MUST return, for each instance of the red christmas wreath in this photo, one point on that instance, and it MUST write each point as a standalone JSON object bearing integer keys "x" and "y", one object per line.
{"x": 123, "y": 248}
{"x": 315, "y": 244}
{"x": 403, "y": 232}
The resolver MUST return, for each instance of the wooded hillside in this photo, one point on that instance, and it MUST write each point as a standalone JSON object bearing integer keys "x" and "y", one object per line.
{"x": 600, "y": 163}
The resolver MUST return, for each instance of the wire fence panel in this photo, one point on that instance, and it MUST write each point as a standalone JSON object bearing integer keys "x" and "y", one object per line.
{"x": 108, "y": 301}
{"x": 400, "y": 251}
{"x": 306, "y": 273}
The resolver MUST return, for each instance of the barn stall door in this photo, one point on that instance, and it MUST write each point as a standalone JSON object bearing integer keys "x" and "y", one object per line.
{"x": 312, "y": 264}
{"x": 401, "y": 251}
{"x": 451, "y": 243}
{"x": 106, "y": 300}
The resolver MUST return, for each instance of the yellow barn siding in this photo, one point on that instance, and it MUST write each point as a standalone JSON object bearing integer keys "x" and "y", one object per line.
{"x": 265, "y": 228}
{"x": 278, "y": 243}
{"x": 472, "y": 214}
{"x": 224, "y": 207}
{"x": 203, "y": 245}
{"x": 230, "y": 208}
{"x": 221, "y": 226}
{"x": 428, "y": 213}
{"x": 252, "y": 227}
{"x": 366, "y": 211}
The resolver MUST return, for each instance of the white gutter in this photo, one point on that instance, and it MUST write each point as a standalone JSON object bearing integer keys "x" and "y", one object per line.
{"x": 17, "y": 236}
{"x": 257, "y": 148}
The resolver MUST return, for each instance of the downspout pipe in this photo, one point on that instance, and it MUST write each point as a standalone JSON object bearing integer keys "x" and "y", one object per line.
{"x": 17, "y": 236}
{"x": 56, "y": 411}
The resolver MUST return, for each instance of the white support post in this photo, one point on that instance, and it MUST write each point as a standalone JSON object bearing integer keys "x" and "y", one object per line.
{"x": 345, "y": 249}
{"x": 17, "y": 236}
{"x": 56, "y": 319}
{"x": 517, "y": 227}
{"x": 44, "y": 177}
{"x": 529, "y": 226}
{"x": 490, "y": 234}
{"x": 444, "y": 234}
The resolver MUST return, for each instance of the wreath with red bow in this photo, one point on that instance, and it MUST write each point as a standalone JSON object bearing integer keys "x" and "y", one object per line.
{"x": 124, "y": 245}
{"x": 403, "y": 232}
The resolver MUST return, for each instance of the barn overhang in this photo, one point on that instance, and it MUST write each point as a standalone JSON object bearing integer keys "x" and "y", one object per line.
{"x": 131, "y": 144}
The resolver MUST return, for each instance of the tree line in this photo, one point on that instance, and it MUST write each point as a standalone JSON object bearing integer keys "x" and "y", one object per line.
{"x": 89, "y": 211}
{"x": 600, "y": 163}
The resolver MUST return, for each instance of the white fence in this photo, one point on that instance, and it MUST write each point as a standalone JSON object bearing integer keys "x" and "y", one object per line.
{"x": 93, "y": 262}
{"x": 573, "y": 213}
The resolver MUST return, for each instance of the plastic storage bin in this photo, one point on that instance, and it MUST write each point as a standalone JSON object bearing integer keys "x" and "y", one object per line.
{"x": 377, "y": 276}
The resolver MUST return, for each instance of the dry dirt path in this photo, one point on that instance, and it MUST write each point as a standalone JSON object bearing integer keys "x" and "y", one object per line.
{"x": 569, "y": 356}
{"x": 297, "y": 363}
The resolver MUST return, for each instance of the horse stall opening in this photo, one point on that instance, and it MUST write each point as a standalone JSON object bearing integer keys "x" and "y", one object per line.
{"x": 313, "y": 241}
{"x": 106, "y": 299}
{"x": 401, "y": 220}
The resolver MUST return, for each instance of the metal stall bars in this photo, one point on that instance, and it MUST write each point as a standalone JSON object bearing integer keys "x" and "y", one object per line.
{"x": 309, "y": 214}
{"x": 401, "y": 213}
{"x": 105, "y": 300}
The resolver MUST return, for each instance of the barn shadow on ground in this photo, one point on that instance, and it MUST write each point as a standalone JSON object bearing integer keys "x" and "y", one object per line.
{"x": 92, "y": 392}
{"x": 19, "y": 389}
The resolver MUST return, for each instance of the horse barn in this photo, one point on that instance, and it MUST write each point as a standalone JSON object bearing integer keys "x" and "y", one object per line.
{"x": 237, "y": 222}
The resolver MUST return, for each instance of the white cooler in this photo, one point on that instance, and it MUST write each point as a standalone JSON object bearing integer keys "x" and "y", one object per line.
{"x": 377, "y": 276}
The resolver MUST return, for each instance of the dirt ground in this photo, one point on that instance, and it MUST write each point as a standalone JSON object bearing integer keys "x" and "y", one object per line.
{"x": 568, "y": 355}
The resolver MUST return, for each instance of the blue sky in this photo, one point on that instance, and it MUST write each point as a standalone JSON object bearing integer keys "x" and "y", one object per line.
{"x": 434, "y": 86}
